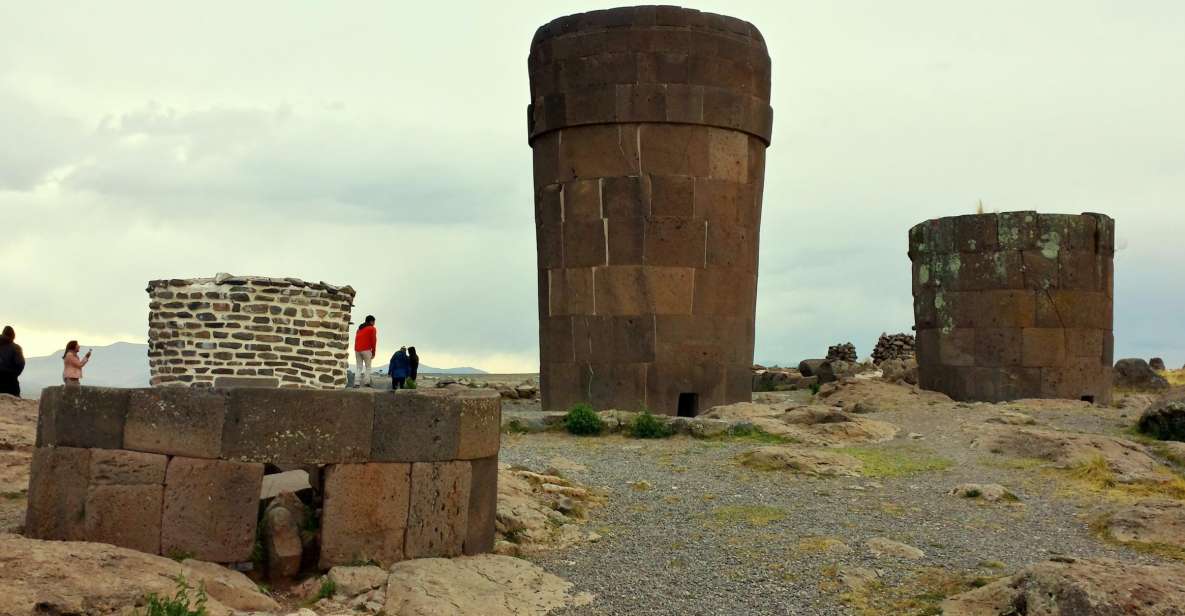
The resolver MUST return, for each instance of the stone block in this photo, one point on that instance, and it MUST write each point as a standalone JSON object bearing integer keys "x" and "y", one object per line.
{"x": 625, "y": 197}
{"x": 281, "y": 542}
{"x": 58, "y": 481}
{"x": 642, "y": 102}
{"x": 559, "y": 385}
{"x": 483, "y": 506}
{"x": 976, "y": 233}
{"x": 728, "y": 154}
{"x": 956, "y": 347}
{"x": 175, "y": 421}
{"x": 998, "y": 346}
{"x": 676, "y": 242}
{"x": 210, "y": 509}
{"x": 1040, "y": 271}
{"x": 672, "y": 196}
{"x": 598, "y": 151}
{"x": 479, "y": 423}
{"x": 725, "y": 292}
{"x": 437, "y": 522}
{"x": 1043, "y": 346}
{"x": 365, "y": 513}
{"x": 1087, "y": 343}
{"x": 667, "y": 380}
{"x": 297, "y": 426}
{"x": 630, "y": 290}
{"x": 584, "y": 243}
{"x": 674, "y": 149}
{"x": 415, "y": 425}
{"x": 120, "y": 467}
{"x": 549, "y": 243}
{"x": 570, "y": 291}
{"x": 582, "y": 200}
{"x": 1017, "y": 230}
{"x": 610, "y": 339}
{"x": 615, "y": 385}
{"x": 685, "y": 102}
{"x": 85, "y": 417}
{"x": 1005, "y": 308}
{"x": 555, "y": 339}
{"x": 732, "y": 246}
{"x": 1079, "y": 270}
{"x": 626, "y": 240}
{"x": 128, "y": 516}
{"x": 234, "y": 382}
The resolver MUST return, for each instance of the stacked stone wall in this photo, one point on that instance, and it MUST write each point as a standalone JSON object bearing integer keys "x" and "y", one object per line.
{"x": 1014, "y": 305}
{"x": 235, "y": 330}
{"x": 649, "y": 127}
{"x": 408, "y": 474}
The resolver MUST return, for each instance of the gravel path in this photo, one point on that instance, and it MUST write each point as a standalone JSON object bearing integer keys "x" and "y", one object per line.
{"x": 712, "y": 537}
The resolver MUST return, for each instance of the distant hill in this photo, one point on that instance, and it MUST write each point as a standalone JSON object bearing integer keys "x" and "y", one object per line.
{"x": 125, "y": 364}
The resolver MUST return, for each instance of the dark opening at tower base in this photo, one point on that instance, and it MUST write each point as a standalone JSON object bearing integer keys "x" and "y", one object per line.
{"x": 688, "y": 405}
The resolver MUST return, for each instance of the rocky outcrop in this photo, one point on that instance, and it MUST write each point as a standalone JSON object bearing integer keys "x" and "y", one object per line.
{"x": 900, "y": 370}
{"x": 1135, "y": 373}
{"x": 816, "y": 425}
{"x": 1165, "y": 418}
{"x": 57, "y": 577}
{"x": 1158, "y": 521}
{"x": 807, "y": 367}
{"x": 1128, "y": 461}
{"x": 804, "y": 461}
{"x": 882, "y": 547}
{"x": 1156, "y": 363}
{"x": 1079, "y": 587}
{"x": 488, "y": 584}
{"x": 539, "y": 511}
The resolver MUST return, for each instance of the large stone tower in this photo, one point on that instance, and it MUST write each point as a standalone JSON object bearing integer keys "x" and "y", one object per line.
{"x": 649, "y": 127}
{"x": 1014, "y": 305}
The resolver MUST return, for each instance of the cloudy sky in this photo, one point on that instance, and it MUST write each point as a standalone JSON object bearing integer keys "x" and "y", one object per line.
{"x": 383, "y": 145}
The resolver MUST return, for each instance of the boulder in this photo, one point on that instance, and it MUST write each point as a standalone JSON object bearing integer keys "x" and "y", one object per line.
{"x": 882, "y": 547}
{"x": 991, "y": 492}
{"x": 488, "y": 584}
{"x": 1081, "y": 587}
{"x": 1157, "y": 521}
{"x": 900, "y": 370}
{"x": 1164, "y": 419}
{"x": 832, "y": 370}
{"x": 1130, "y": 462}
{"x": 1135, "y": 373}
{"x": 807, "y": 367}
{"x": 281, "y": 536}
{"x": 354, "y": 581}
{"x": 1156, "y": 363}
{"x": 805, "y": 461}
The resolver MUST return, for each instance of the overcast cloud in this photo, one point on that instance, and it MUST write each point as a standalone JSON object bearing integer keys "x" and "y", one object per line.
{"x": 383, "y": 145}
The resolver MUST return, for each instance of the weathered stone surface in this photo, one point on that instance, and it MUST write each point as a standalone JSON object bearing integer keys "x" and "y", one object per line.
{"x": 483, "y": 506}
{"x": 414, "y": 425}
{"x": 175, "y": 421}
{"x": 991, "y": 492}
{"x": 1081, "y": 587}
{"x": 87, "y": 417}
{"x": 297, "y": 426}
{"x": 1129, "y": 461}
{"x": 365, "y": 513}
{"x": 210, "y": 509}
{"x": 287, "y": 481}
{"x": 489, "y": 584}
{"x": 120, "y": 467}
{"x": 58, "y": 483}
{"x": 884, "y": 547}
{"x": 648, "y": 185}
{"x": 353, "y": 581}
{"x": 479, "y": 433}
{"x": 281, "y": 541}
{"x": 1150, "y": 522}
{"x": 437, "y": 522}
{"x": 805, "y": 461}
{"x": 1013, "y": 305}
{"x": 1135, "y": 373}
{"x": 125, "y": 515}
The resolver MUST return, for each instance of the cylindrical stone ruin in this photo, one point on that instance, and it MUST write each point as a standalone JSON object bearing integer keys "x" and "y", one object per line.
{"x": 1014, "y": 305}
{"x": 232, "y": 331}
{"x": 649, "y": 127}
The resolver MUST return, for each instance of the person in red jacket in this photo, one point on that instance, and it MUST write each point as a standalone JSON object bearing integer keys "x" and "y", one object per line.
{"x": 366, "y": 344}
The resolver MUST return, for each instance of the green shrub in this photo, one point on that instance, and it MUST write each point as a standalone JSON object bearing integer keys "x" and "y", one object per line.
{"x": 814, "y": 389}
{"x": 646, "y": 425}
{"x": 582, "y": 420}
{"x": 180, "y": 604}
{"x": 327, "y": 590}
{"x": 409, "y": 384}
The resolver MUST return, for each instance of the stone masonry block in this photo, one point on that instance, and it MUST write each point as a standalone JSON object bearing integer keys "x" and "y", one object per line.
{"x": 676, "y": 242}
{"x": 210, "y": 509}
{"x": 615, "y": 385}
{"x": 626, "y": 240}
{"x": 479, "y": 423}
{"x": 725, "y": 292}
{"x": 626, "y": 197}
{"x": 120, "y": 467}
{"x": 674, "y": 149}
{"x": 570, "y": 291}
{"x": 1043, "y": 346}
{"x": 88, "y": 417}
{"x": 629, "y": 290}
{"x": 672, "y": 196}
{"x": 623, "y": 339}
{"x": 415, "y": 425}
{"x": 57, "y": 494}
{"x": 728, "y": 154}
{"x": 582, "y": 200}
{"x": 297, "y": 426}
{"x": 597, "y": 151}
{"x": 483, "y": 506}
{"x": 956, "y": 347}
{"x": 365, "y": 515}
{"x": 584, "y": 243}
{"x": 175, "y": 421}
{"x": 998, "y": 346}
{"x": 438, "y": 522}
{"x": 128, "y": 516}
{"x": 732, "y": 246}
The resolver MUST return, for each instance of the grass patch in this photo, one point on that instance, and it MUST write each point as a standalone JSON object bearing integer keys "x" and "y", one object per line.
{"x": 582, "y": 420}
{"x": 1174, "y": 377}
{"x": 1096, "y": 475}
{"x": 646, "y": 425}
{"x": 187, "y": 601}
{"x": 179, "y": 555}
{"x": 822, "y": 545}
{"x": 896, "y": 461}
{"x": 921, "y": 595}
{"x": 327, "y": 590}
{"x": 752, "y": 515}
{"x": 19, "y": 494}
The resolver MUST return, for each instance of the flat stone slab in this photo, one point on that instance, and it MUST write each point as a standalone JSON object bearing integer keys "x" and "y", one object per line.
{"x": 85, "y": 417}
{"x": 175, "y": 421}
{"x": 437, "y": 523}
{"x": 292, "y": 426}
{"x": 210, "y": 509}
{"x": 365, "y": 513}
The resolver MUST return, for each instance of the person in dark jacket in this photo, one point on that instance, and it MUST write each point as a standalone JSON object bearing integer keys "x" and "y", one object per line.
{"x": 398, "y": 368}
{"x": 12, "y": 363}
{"x": 413, "y": 364}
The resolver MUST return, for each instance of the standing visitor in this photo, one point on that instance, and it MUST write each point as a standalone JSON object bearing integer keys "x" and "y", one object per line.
{"x": 72, "y": 365}
{"x": 398, "y": 368}
{"x": 366, "y": 343}
{"x": 12, "y": 363}
{"x": 413, "y": 364}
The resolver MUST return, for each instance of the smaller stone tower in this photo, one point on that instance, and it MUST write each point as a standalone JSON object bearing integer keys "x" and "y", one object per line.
{"x": 1014, "y": 305}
